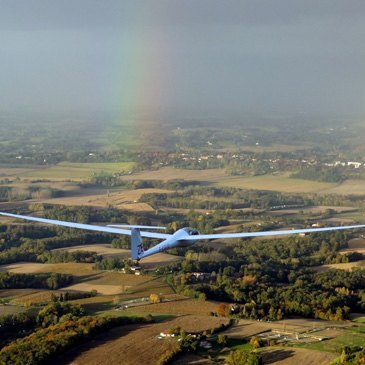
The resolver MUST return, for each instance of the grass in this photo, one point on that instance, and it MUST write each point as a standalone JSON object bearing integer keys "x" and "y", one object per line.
{"x": 76, "y": 269}
{"x": 354, "y": 187}
{"x": 106, "y": 289}
{"x": 180, "y": 307}
{"x": 343, "y": 266}
{"x": 110, "y": 284}
{"x": 10, "y": 309}
{"x": 158, "y": 318}
{"x": 280, "y": 183}
{"x": 170, "y": 173}
{"x": 104, "y": 249}
{"x": 118, "y": 198}
{"x": 126, "y": 286}
{"x": 356, "y": 329}
{"x": 235, "y": 344}
{"x": 41, "y": 296}
{"x": 348, "y": 338}
{"x": 8, "y": 294}
{"x": 77, "y": 171}
{"x": 291, "y": 355}
{"x": 101, "y": 308}
{"x": 219, "y": 177}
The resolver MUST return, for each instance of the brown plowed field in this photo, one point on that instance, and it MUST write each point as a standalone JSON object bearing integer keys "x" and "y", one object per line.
{"x": 355, "y": 245}
{"x": 180, "y": 307}
{"x": 76, "y": 269}
{"x": 104, "y": 249}
{"x": 123, "y": 199}
{"x": 290, "y": 356}
{"x": 135, "y": 344}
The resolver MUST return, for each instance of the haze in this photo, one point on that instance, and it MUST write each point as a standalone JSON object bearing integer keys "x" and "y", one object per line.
{"x": 201, "y": 56}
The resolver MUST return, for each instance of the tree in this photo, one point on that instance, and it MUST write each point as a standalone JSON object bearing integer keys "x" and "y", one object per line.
{"x": 243, "y": 357}
{"x": 155, "y": 298}
{"x": 237, "y": 357}
{"x": 254, "y": 359}
{"x": 222, "y": 340}
{"x": 255, "y": 342}
{"x": 223, "y": 310}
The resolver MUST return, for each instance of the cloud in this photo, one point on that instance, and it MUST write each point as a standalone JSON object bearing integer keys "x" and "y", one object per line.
{"x": 257, "y": 54}
{"x": 45, "y": 14}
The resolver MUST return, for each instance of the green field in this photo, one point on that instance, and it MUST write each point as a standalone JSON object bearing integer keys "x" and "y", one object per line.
{"x": 216, "y": 177}
{"x": 280, "y": 183}
{"x": 235, "y": 344}
{"x": 10, "y": 309}
{"x": 347, "y": 338}
{"x": 77, "y": 171}
{"x": 219, "y": 177}
{"x": 360, "y": 320}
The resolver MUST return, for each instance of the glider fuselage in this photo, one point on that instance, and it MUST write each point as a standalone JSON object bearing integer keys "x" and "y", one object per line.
{"x": 176, "y": 240}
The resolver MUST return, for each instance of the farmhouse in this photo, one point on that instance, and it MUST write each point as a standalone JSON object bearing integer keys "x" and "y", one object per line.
{"x": 201, "y": 275}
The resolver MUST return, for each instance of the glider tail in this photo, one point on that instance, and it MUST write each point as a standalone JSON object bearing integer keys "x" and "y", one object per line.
{"x": 136, "y": 244}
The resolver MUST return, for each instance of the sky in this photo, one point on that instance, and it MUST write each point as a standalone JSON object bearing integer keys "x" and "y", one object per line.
{"x": 192, "y": 56}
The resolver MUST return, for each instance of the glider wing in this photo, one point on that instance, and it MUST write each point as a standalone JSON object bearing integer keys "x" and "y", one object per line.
{"x": 88, "y": 227}
{"x": 268, "y": 233}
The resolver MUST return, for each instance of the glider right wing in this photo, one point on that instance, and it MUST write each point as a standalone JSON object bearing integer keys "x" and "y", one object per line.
{"x": 214, "y": 236}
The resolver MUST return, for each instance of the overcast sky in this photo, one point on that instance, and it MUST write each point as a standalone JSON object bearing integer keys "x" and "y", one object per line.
{"x": 286, "y": 56}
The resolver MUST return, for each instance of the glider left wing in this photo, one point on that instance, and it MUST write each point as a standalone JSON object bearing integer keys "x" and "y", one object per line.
{"x": 88, "y": 227}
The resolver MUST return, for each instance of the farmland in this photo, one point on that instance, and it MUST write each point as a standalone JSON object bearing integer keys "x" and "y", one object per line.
{"x": 285, "y": 356}
{"x": 142, "y": 342}
{"x": 276, "y": 183}
{"x": 219, "y": 177}
{"x": 74, "y": 171}
{"x": 121, "y": 199}
{"x": 127, "y": 345}
{"x": 15, "y": 171}
{"x": 302, "y": 336}
{"x": 355, "y": 245}
{"x": 83, "y": 273}
{"x": 10, "y": 309}
{"x": 115, "y": 288}
{"x": 235, "y": 269}
{"x": 344, "y": 266}
{"x": 106, "y": 250}
{"x": 351, "y": 186}
{"x": 274, "y": 355}
{"x": 78, "y": 270}
{"x": 343, "y": 338}
{"x": 180, "y": 307}
{"x": 136, "y": 344}
{"x": 248, "y": 328}
{"x": 108, "y": 285}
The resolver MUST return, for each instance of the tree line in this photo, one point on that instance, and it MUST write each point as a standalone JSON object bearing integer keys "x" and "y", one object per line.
{"x": 270, "y": 279}
{"x": 57, "y": 328}
{"x": 40, "y": 281}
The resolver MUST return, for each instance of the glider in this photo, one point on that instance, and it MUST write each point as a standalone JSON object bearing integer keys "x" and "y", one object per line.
{"x": 182, "y": 238}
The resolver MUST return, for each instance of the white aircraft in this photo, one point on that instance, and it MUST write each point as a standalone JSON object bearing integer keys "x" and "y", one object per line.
{"x": 182, "y": 238}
